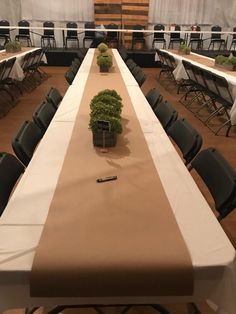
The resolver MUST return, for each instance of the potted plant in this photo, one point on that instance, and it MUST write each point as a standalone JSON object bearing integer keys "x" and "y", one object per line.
{"x": 106, "y": 108}
{"x": 184, "y": 49}
{"x": 102, "y": 47}
{"x": 13, "y": 46}
{"x": 227, "y": 63}
{"x": 104, "y": 61}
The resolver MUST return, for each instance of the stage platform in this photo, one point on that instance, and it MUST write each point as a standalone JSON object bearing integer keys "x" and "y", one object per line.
{"x": 144, "y": 58}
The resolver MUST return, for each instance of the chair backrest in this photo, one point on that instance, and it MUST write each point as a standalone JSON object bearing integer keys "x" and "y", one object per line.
{"x": 216, "y": 28}
{"x": 222, "y": 87}
{"x": 219, "y": 177}
{"x": 154, "y": 98}
{"x": 23, "y": 23}
{"x": 8, "y": 68}
{"x": 187, "y": 139}
{"x": 44, "y": 114}
{"x": 123, "y": 53}
{"x": 4, "y": 31}
{"x": 112, "y": 35}
{"x": 71, "y": 33}
{"x": 176, "y": 35}
{"x": 26, "y": 140}
{"x": 166, "y": 114}
{"x": 48, "y": 32}
{"x": 197, "y": 71}
{"x": 89, "y": 34}
{"x": 140, "y": 77}
{"x": 130, "y": 64}
{"x": 159, "y": 27}
{"x": 138, "y": 35}
{"x": 54, "y": 97}
{"x": 195, "y": 36}
{"x": 136, "y": 70}
{"x": 69, "y": 76}
{"x": 188, "y": 68}
{"x": 234, "y": 35}
{"x": 10, "y": 171}
{"x": 2, "y": 69}
{"x": 208, "y": 77}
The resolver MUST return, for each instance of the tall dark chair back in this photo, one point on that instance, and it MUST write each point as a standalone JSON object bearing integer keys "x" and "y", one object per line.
{"x": 89, "y": 35}
{"x": 54, "y": 97}
{"x": 26, "y": 140}
{"x": 166, "y": 114}
{"x": 43, "y": 115}
{"x": 219, "y": 177}
{"x": 159, "y": 36}
{"x": 46, "y": 31}
{"x": 214, "y": 29}
{"x": 8, "y": 68}
{"x": 187, "y": 139}
{"x": 5, "y": 32}
{"x": 23, "y": 31}
{"x": 175, "y": 35}
{"x": 154, "y": 98}
{"x": 10, "y": 171}
{"x": 72, "y": 35}
{"x": 24, "y": 34}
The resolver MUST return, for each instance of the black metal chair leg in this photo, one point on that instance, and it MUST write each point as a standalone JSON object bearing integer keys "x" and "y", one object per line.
{"x": 126, "y": 309}
{"x": 31, "y": 310}
{"x": 192, "y": 308}
{"x": 160, "y": 309}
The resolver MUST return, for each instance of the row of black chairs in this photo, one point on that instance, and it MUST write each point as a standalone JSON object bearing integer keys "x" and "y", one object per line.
{"x": 212, "y": 167}
{"x": 24, "y": 144}
{"x": 33, "y": 75}
{"x": 136, "y": 70}
{"x": 210, "y": 90}
{"x": 74, "y": 67}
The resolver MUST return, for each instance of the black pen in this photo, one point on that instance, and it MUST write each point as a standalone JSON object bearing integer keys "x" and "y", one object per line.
{"x": 106, "y": 179}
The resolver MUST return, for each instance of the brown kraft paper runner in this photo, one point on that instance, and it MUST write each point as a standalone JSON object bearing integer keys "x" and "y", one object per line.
{"x": 5, "y": 55}
{"x": 118, "y": 238}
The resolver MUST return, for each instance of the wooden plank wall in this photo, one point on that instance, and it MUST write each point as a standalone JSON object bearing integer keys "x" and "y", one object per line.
{"x": 125, "y": 13}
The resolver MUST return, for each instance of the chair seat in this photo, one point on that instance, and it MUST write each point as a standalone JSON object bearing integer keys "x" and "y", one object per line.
{"x": 159, "y": 40}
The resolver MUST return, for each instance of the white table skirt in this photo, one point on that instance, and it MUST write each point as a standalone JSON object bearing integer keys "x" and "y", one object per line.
{"x": 180, "y": 73}
{"x": 17, "y": 72}
{"x": 21, "y": 224}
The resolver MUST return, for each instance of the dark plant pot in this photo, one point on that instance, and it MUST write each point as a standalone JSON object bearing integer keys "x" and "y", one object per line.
{"x": 104, "y": 69}
{"x": 108, "y": 138}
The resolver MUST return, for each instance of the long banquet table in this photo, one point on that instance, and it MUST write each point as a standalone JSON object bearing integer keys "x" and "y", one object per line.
{"x": 17, "y": 72}
{"x": 213, "y": 257}
{"x": 209, "y": 64}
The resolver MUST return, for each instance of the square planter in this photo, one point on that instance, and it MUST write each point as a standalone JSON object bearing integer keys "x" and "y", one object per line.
{"x": 108, "y": 138}
{"x": 104, "y": 69}
{"x": 227, "y": 67}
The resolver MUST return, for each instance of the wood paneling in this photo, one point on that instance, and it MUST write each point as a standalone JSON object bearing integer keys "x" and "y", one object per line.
{"x": 125, "y": 13}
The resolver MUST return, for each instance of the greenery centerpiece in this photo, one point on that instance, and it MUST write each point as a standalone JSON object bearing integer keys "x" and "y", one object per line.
{"x": 106, "y": 106}
{"x": 102, "y": 47}
{"x": 104, "y": 59}
{"x": 228, "y": 63}
{"x": 184, "y": 49}
{"x": 13, "y": 46}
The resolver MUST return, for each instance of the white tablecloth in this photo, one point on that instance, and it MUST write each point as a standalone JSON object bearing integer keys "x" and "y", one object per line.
{"x": 17, "y": 72}
{"x": 21, "y": 224}
{"x": 180, "y": 73}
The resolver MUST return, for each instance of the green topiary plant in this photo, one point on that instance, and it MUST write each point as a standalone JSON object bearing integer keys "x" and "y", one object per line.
{"x": 220, "y": 59}
{"x": 110, "y": 92}
{"x": 229, "y": 63}
{"x": 102, "y": 47}
{"x": 184, "y": 49}
{"x": 105, "y": 107}
{"x": 13, "y": 46}
{"x": 104, "y": 61}
{"x": 108, "y": 100}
